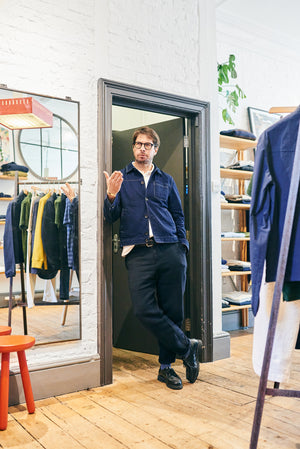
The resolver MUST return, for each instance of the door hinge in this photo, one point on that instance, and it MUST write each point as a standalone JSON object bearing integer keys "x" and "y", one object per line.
{"x": 186, "y": 141}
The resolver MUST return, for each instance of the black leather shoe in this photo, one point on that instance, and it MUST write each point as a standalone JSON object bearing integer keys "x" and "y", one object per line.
{"x": 170, "y": 378}
{"x": 191, "y": 362}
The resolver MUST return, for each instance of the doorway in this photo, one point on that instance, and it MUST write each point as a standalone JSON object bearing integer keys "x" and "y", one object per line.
{"x": 182, "y": 125}
{"x": 128, "y": 332}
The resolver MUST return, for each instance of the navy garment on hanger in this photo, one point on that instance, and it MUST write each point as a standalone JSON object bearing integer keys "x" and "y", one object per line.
{"x": 17, "y": 234}
{"x": 271, "y": 181}
{"x": 8, "y": 245}
{"x": 50, "y": 234}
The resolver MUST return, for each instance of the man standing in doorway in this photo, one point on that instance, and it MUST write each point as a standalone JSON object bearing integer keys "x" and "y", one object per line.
{"x": 153, "y": 238}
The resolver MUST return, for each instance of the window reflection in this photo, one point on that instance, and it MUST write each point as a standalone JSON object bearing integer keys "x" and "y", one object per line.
{"x": 50, "y": 152}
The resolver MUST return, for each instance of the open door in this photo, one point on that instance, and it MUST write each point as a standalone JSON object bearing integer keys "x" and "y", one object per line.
{"x": 128, "y": 332}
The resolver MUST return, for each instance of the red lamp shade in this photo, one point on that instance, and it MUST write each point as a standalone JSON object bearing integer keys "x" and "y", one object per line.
{"x": 22, "y": 113}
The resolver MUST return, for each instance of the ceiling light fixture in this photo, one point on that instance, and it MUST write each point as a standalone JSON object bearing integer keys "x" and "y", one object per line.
{"x": 24, "y": 113}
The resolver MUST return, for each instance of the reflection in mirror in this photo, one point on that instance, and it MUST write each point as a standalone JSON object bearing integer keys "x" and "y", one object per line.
{"x": 45, "y": 159}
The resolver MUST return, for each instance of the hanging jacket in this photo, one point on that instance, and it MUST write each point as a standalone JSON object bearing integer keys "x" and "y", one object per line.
{"x": 271, "y": 182}
{"x": 50, "y": 234}
{"x": 17, "y": 234}
{"x": 8, "y": 245}
{"x": 39, "y": 259}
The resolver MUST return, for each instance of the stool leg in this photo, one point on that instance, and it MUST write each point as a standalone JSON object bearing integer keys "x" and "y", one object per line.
{"x": 26, "y": 382}
{"x": 4, "y": 389}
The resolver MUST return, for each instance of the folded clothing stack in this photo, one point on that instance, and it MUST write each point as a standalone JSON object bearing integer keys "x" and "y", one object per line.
{"x": 231, "y": 234}
{"x": 225, "y": 304}
{"x": 241, "y": 133}
{"x": 224, "y": 265}
{"x": 242, "y": 165}
{"x": 238, "y": 265}
{"x": 235, "y": 198}
{"x": 238, "y": 298}
{"x": 12, "y": 166}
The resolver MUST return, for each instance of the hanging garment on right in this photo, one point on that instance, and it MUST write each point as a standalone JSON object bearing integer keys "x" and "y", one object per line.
{"x": 271, "y": 183}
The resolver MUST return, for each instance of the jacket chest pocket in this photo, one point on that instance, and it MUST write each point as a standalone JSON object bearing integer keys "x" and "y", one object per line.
{"x": 161, "y": 191}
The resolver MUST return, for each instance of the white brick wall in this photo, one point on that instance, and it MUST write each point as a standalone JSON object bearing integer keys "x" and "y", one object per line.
{"x": 62, "y": 47}
{"x": 166, "y": 45}
{"x": 48, "y": 47}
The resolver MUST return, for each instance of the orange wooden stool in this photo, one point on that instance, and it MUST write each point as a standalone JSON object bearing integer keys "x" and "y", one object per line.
{"x": 8, "y": 344}
{"x": 5, "y": 330}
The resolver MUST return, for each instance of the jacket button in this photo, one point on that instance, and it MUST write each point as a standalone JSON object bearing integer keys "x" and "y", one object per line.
{"x": 146, "y": 216}
{"x": 142, "y": 182}
{"x": 146, "y": 199}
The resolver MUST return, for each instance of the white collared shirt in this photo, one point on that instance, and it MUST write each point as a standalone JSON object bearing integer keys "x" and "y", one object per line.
{"x": 126, "y": 249}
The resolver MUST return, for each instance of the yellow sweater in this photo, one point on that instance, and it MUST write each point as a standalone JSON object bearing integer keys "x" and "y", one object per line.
{"x": 39, "y": 259}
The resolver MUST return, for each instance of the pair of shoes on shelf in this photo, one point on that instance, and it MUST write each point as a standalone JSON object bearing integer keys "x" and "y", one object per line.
{"x": 170, "y": 378}
{"x": 191, "y": 361}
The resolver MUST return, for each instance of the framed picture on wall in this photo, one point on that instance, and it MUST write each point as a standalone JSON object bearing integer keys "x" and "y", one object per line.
{"x": 260, "y": 120}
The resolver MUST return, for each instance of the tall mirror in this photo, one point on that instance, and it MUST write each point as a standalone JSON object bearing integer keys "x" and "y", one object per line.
{"x": 43, "y": 297}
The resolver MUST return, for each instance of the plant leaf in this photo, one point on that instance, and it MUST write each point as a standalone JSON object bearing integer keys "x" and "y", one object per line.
{"x": 241, "y": 93}
{"x": 226, "y": 117}
{"x": 231, "y": 59}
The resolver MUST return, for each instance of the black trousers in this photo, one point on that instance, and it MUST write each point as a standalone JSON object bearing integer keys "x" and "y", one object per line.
{"x": 157, "y": 277}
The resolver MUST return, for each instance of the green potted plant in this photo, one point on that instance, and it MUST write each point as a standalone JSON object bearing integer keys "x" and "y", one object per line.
{"x": 228, "y": 89}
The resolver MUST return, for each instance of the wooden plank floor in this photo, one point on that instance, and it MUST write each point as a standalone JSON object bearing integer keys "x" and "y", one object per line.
{"x": 44, "y": 322}
{"x": 138, "y": 412}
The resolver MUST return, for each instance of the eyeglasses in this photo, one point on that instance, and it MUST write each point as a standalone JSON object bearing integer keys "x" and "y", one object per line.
{"x": 147, "y": 145}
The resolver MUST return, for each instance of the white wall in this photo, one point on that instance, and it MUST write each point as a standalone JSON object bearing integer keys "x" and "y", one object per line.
{"x": 267, "y": 57}
{"x": 48, "y": 47}
{"x": 167, "y": 46}
{"x": 61, "y": 48}
{"x": 268, "y": 67}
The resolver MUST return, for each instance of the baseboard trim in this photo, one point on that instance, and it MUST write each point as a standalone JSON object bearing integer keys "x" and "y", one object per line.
{"x": 221, "y": 346}
{"x": 56, "y": 381}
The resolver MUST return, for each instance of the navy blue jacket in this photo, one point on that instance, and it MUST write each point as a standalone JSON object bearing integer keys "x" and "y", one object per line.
{"x": 135, "y": 205}
{"x": 271, "y": 182}
{"x": 8, "y": 245}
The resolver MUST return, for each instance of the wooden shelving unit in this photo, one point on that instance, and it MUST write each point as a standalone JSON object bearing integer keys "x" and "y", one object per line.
{"x": 239, "y": 145}
{"x": 236, "y": 143}
{"x": 235, "y": 174}
{"x": 235, "y": 273}
{"x": 237, "y": 206}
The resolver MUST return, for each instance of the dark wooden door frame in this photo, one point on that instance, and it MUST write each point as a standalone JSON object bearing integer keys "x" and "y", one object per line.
{"x": 112, "y": 93}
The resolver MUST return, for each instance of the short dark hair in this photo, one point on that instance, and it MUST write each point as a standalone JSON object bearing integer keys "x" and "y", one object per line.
{"x": 149, "y": 132}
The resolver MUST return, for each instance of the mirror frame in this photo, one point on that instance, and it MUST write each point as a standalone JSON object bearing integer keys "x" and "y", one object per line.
{"x": 57, "y": 181}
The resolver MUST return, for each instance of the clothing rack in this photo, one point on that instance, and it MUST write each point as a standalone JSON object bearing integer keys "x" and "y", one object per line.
{"x": 46, "y": 182}
{"x": 280, "y": 274}
{"x": 18, "y": 182}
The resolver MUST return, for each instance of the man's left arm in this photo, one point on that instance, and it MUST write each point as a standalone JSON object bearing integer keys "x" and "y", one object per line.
{"x": 176, "y": 211}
